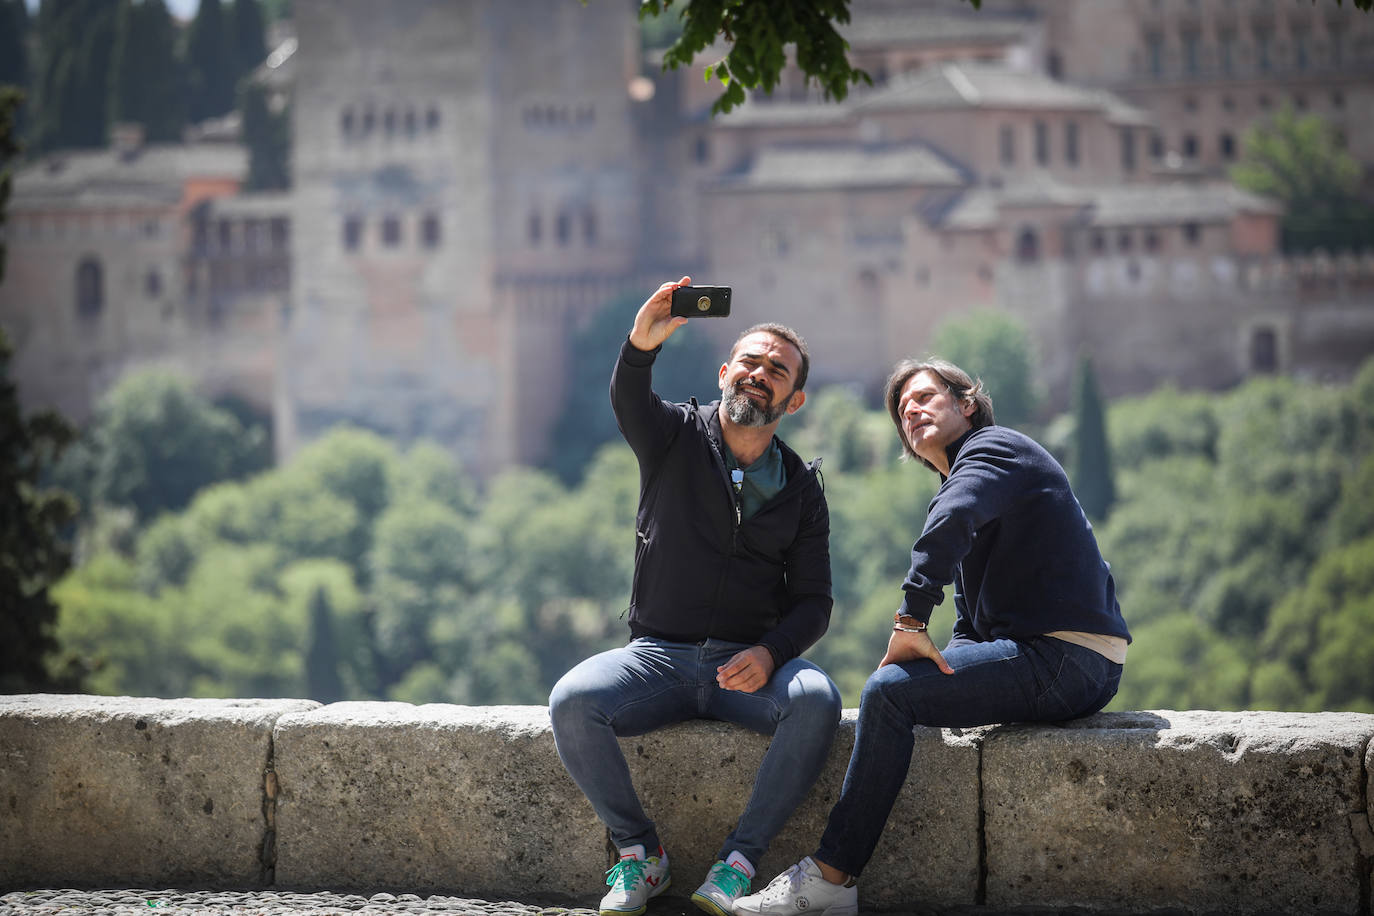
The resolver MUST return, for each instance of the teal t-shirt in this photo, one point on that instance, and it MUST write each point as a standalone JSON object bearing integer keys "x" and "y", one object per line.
{"x": 761, "y": 480}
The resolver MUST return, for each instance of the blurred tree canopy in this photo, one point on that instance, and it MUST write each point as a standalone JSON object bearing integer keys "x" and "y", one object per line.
{"x": 995, "y": 347}
{"x": 1241, "y": 539}
{"x": 1301, "y": 162}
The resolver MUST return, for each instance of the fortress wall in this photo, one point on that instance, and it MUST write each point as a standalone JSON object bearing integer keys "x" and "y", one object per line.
{"x": 1193, "y": 812}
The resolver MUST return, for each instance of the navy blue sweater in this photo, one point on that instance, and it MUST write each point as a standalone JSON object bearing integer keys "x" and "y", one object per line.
{"x": 1007, "y": 531}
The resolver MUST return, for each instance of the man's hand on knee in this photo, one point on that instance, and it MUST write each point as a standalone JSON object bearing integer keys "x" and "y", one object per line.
{"x": 747, "y": 671}
{"x": 905, "y": 647}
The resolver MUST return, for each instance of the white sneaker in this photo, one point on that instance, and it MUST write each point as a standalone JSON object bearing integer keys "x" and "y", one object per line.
{"x": 801, "y": 889}
{"x": 633, "y": 880}
{"x": 725, "y": 882}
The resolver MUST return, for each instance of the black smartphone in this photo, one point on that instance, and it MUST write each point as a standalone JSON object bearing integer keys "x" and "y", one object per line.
{"x": 701, "y": 302}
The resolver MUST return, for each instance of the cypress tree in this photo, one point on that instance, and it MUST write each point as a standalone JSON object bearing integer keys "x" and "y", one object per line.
{"x": 1092, "y": 464}
{"x": 33, "y": 549}
{"x": 209, "y": 69}
{"x": 249, "y": 44}
{"x": 268, "y": 138}
{"x": 322, "y": 680}
{"x": 144, "y": 73}
{"x": 14, "y": 52}
{"x": 76, "y": 37}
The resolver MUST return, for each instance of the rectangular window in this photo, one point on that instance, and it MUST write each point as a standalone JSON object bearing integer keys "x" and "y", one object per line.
{"x": 1154, "y": 54}
{"x": 430, "y": 231}
{"x": 1042, "y": 143}
{"x": 1191, "y": 41}
{"x": 391, "y": 232}
{"x": 1071, "y": 142}
{"x": 352, "y": 233}
{"x": 1226, "y": 53}
{"x": 1007, "y": 138}
{"x": 1127, "y": 149}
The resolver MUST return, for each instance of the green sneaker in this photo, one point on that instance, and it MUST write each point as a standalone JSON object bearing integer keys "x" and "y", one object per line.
{"x": 633, "y": 880}
{"x": 722, "y": 885}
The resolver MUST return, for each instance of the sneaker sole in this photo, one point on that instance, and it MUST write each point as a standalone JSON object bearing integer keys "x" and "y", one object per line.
{"x": 652, "y": 894}
{"x": 710, "y": 906}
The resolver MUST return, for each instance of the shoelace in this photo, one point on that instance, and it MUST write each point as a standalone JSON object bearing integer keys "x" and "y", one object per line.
{"x": 785, "y": 884}
{"x": 730, "y": 880}
{"x": 626, "y": 873}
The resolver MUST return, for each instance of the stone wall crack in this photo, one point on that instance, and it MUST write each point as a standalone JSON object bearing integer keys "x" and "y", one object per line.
{"x": 267, "y": 852}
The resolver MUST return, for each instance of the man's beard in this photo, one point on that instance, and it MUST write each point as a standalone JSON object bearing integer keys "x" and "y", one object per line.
{"x": 746, "y": 412}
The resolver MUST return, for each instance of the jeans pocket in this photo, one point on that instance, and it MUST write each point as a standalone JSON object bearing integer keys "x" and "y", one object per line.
{"x": 1076, "y": 688}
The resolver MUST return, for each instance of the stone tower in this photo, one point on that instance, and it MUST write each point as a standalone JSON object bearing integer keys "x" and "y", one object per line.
{"x": 464, "y": 188}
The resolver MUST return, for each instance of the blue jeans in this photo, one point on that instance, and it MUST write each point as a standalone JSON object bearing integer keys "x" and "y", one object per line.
{"x": 651, "y": 683}
{"x": 1041, "y": 679}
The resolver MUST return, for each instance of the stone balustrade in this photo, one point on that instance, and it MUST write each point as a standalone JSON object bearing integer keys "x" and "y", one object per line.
{"x": 1193, "y": 812}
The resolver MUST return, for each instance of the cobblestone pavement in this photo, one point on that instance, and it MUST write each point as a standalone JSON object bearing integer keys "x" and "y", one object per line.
{"x": 282, "y": 903}
{"x": 123, "y": 902}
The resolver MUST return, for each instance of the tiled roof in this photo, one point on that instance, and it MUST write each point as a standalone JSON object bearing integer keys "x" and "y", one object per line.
{"x": 978, "y": 85}
{"x": 848, "y": 167}
{"x": 154, "y": 175}
{"x": 1165, "y": 203}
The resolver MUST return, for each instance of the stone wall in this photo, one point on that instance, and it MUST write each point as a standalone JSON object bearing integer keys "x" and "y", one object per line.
{"x": 1195, "y": 812}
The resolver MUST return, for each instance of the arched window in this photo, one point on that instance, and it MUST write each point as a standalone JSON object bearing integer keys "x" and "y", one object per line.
{"x": 1027, "y": 246}
{"x": 589, "y": 226}
{"x": 90, "y": 288}
{"x": 562, "y": 228}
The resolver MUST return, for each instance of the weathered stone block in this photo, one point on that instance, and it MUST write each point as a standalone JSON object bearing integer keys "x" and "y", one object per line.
{"x": 695, "y": 778}
{"x": 463, "y": 799}
{"x": 1202, "y": 811}
{"x": 148, "y": 792}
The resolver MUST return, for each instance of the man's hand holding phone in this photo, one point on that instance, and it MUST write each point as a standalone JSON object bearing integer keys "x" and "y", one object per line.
{"x": 653, "y": 323}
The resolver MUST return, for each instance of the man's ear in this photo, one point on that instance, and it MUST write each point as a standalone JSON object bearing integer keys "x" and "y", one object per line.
{"x": 797, "y": 399}
{"x": 720, "y": 378}
{"x": 968, "y": 406}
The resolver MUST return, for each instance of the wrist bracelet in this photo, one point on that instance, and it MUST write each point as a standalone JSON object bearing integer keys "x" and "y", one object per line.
{"x": 904, "y": 628}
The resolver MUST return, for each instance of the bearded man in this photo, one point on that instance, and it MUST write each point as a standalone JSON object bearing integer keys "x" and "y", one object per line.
{"x": 731, "y": 585}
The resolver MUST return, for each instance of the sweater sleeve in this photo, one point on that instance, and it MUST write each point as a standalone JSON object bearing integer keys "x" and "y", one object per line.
{"x": 808, "y": 586}
{"x": 984, "y": 482}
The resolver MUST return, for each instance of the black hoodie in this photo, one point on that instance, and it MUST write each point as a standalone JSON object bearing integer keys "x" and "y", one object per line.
{"x": 701, "y": 572}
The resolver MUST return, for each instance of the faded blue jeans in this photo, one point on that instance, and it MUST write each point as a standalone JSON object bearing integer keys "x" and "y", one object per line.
{"x": 1041, "y": 679}
{"x": 651, "y": 683}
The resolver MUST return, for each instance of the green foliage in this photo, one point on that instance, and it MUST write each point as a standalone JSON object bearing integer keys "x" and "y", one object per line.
{"x": 1300, "y": 162}
{"x": 75, "y": 38}
{"x": 685, "y": 367}
{"x": 14, "y": 48}
{"x": 1316, "y": 652}
{"x": 145, "y": 76}
{"x": 759, "y": 32}
{"x": 1241, "y": 542}
{"x": 995, "y": 347}
{"x": 322, "y": 681}
{"x": 1093, "y": 482}
{"x": 10, "y": 101}
{"x": 33, "y": 552}
{"x": 267, "y": 134}
{"x": 155, "y": 444}
{"x": 210, "y": 74}
{"x": 247, "y": 38}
